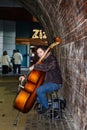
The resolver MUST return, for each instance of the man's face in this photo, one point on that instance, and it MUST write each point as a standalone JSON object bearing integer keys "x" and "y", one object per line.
{"x": 40, "y": 52}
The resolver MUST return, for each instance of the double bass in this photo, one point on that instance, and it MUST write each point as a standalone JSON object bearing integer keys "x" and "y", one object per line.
{"x": 26, "y": 97}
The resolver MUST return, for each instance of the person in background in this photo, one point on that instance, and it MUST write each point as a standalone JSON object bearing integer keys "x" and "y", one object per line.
{"x": 12, "y": 60}
{"x": 5, "y": 62}
{"x": 53, "y": 78}
{"x": 17, "y": 61}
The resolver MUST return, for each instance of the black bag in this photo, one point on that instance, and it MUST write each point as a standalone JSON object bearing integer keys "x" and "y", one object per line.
{"x": 62, "y": 103}
{"x": 12, "y": 60}
{"x": 10, "y": 68}
{"x": 59, "y": 102}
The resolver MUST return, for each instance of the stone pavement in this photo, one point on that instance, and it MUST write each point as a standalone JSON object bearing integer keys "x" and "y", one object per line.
{"x": 30, "y": 120}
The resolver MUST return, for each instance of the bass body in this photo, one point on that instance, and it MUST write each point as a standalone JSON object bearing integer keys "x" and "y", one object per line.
{"x": 26, "y": 97}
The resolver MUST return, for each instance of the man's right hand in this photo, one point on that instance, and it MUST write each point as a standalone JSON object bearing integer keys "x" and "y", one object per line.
{"x": 21, "y": 79}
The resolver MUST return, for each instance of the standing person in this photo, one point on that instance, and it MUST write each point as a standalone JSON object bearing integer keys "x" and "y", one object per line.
{"x": 17, "y": 62}
{"x": 12, "y": 60}
{"x": 5, "y": 62}
{"x": 53, "y": 79}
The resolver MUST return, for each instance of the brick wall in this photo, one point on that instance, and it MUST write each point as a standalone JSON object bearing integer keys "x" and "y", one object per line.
{"x": 69, "y": 19}
{"x": 73, "y": 55}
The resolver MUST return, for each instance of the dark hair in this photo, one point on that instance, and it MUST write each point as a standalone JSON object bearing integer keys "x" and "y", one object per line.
{"x": 5, "y": 53}
{"x": 42, "y": 47}
{"x": 17, "y": 50}
{"x": 14, "y": 51}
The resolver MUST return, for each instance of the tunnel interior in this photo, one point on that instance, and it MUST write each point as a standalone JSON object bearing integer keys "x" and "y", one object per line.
{"x": 67, "y": 19}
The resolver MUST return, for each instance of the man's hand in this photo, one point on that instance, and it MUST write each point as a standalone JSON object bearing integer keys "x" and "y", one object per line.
{"x": 21, "y": 79}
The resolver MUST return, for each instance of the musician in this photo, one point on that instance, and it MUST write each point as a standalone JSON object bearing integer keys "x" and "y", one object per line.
{"x": 53, "y": 79}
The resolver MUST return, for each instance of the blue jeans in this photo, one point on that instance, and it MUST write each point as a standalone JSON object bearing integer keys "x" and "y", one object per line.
{"x": 43, "y": 89}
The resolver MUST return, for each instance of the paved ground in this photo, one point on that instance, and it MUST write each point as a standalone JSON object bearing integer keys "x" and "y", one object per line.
{"x": 29, "y": 121}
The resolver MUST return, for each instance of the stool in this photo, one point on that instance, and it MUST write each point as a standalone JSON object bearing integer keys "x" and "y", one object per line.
{"x": 55, "y": 107}
{"x": 54, "y": 103}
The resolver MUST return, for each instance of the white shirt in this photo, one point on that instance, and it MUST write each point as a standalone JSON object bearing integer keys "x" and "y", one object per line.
{"x": 18, "y": 58}
{"x": 5, "y": 60}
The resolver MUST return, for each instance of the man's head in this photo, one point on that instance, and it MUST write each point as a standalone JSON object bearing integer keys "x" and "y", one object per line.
{"x": 41, "y": 50}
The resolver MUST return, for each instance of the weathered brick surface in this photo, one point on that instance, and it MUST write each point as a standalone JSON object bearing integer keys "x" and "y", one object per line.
{"x": 74, "y": 69}
{"x": 69, "y": 19}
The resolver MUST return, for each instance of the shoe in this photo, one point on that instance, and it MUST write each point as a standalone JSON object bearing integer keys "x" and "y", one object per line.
{"x": 37, "y": 107}
{"x": 44, "y": 110}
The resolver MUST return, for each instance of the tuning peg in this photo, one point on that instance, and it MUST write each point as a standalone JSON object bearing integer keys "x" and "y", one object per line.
{"x": 57, "y": 39}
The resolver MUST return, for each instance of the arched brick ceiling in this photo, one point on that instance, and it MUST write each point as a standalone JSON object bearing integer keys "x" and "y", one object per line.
{"x": 58, "y": 17}
{"x": 39, "y": 8}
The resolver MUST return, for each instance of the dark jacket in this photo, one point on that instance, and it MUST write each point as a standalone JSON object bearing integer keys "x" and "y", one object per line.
{"x": 51, "y": 67}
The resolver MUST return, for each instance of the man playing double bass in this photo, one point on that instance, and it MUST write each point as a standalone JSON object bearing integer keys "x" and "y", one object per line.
{"x": 52, "y": 81}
